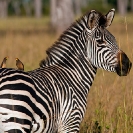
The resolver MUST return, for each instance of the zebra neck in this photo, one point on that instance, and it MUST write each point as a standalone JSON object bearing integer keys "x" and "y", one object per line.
{"x": 87, "y": 72}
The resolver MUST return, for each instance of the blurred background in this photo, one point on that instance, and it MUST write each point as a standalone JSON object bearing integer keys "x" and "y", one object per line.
{"x": 29, "y": 27}
{"x": 60, "y": 10}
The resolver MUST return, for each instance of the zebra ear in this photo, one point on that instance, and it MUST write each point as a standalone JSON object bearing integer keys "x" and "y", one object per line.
{"x": 92, "y": 18}
{"x": 109, "y": 17}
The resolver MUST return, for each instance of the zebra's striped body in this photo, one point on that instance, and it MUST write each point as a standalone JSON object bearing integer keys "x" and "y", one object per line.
{"x": 53, "y": 97}
{"x": 66, "y": 101}
{"x": 17, "y": 92}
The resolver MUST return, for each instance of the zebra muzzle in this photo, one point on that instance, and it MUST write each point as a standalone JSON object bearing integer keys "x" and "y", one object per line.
{"x": 124, "y": 64}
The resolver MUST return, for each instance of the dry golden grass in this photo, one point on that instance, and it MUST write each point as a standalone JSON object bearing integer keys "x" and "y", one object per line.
{"x": 26, "y": 39}
{"x": 110, "y": 100}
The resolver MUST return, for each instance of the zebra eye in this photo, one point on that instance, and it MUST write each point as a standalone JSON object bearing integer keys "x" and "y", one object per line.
{"x": 97, "y": 34}
{"x": 100, "y": 41}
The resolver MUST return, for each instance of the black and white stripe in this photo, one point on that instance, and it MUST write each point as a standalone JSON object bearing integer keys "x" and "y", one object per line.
{"x": 53, "y": 98}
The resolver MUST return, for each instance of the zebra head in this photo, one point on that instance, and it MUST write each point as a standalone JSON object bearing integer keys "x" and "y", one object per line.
{"x": 102, "y": 49}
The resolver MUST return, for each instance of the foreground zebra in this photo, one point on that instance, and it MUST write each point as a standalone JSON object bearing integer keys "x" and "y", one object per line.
{"x": 53, "y": 98}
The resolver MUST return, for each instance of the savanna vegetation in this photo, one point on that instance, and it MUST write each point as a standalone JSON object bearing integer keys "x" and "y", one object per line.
{"x": 110, "y": 100}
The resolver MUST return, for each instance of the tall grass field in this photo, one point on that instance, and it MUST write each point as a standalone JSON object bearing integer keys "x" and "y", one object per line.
{"x": 110, "y": 100}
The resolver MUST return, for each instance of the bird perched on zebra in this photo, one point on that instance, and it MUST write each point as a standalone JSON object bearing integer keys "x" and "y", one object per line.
{"x": 53, "y": 97}
{"x": 19, "y": 64}
{"x": 3, "y": 64}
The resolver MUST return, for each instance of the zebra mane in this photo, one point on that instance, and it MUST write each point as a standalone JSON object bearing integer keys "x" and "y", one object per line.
{"x": 74, "y": 24}
{"x": 48, "y": 59}
{"x": 82, "y": 21}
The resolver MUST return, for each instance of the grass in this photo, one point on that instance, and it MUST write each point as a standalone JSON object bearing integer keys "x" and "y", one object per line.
{"x": 110, "y": 100}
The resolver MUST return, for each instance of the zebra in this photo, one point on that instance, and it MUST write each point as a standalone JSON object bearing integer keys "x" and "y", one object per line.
{"x": 53, "y": 97}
